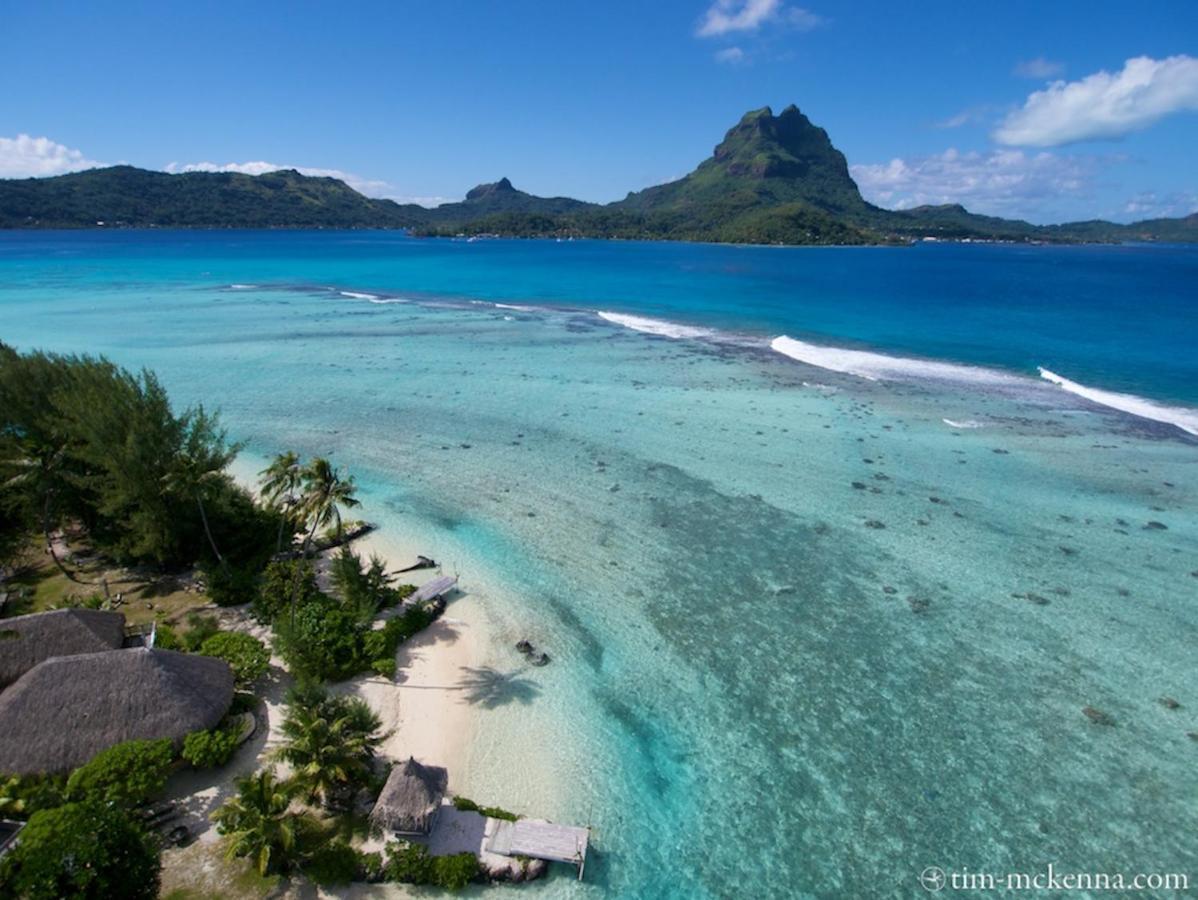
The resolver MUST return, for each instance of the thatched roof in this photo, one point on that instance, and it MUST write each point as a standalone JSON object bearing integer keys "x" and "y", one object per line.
{"x": 65, "y": 710}
{"x": 27, "y": 640}
{"x": 411, "y": 797}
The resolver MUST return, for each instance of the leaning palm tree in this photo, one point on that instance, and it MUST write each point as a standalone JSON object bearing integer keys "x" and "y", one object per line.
{"x": 325, "y": 493}
{"x": 258, "y": 822}
{"x": 42, "y": 474}
{"x": 199, "y": 467}
{"x": 280, "y": 482}
{"x": 330, "y": 744}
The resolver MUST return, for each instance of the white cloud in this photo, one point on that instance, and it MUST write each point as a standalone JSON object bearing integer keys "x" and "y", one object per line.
{"x": 1150, "y": 205}
{"x": 999, "y": 182}
{"x": 28, "y": 157}
{"x": 1103, "y": 105}
{"x": 367, "y": 186}
{"x": 731, "y": 16}
{"x": 1038, "y": 68}
{"x": 730, "y": 55}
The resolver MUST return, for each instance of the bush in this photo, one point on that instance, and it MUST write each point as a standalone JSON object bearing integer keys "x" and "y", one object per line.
{"x": 82, "y": 850}
{"x": 23, "y": 795}
{"x": 456, "y": 871}
{"x": 208, "y": 749}
{"x": 246, "y": 655}
{"x": 333, "y": 863}
{"x": 199, "y": 629}
{"x": 412, "y": 864}
{"x": 166, "y": 638}
{"x": 276, "y": 585}
{"x": 384, "y": 667}
{"x": 371, "y": 867}
{"x": 493, "y": 812}
{"x": 408, "y": 864}
{"x": 231, "y": 586}
{"x": 128, "y": 774}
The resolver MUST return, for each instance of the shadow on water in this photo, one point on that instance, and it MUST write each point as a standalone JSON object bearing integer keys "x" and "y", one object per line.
{"x": 490, "y": 688}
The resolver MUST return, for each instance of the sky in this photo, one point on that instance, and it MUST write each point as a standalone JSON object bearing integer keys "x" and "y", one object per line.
{"x": 1045, "y": 111}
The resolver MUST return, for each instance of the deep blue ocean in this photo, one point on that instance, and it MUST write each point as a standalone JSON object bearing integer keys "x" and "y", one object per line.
{"x": 823, "y": 611}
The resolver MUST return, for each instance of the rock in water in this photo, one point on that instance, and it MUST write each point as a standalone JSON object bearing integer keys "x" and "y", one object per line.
{"x": 1097, "y": 716}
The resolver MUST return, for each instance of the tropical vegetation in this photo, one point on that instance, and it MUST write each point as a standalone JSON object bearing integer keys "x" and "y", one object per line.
{"x": 87, "y": 850}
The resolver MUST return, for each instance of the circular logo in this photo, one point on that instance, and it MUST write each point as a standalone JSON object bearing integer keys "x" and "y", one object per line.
{"x": 932, "y": 878}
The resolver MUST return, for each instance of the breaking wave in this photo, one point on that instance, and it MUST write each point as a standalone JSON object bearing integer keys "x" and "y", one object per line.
{"x": 880, "y": 367}
{"x": 659, "y": 327}
{"x": 1185, "y": 419}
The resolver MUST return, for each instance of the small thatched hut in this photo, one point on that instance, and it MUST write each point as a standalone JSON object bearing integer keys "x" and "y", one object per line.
{"x": 67, "y": 709}
{"x": 411, "y": 798}
{"x": 27, "y": 640}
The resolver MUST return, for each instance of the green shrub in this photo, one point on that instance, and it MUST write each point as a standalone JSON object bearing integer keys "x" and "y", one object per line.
{"x": 334, "y": 863}
{"x": 411, "y": 864}
{"x": 325, "y": 642}
{"x": 208, "y": 749}
{"x": 166, "y": 638}
{"x": 371, "y": 867}
{"x": 231, "y": 585}
{"x": 408, "y": 864}
{"x": 129, "y": 773}
{"x": 493, "y": 812}
{"x": 276, "y": 585}
{"x": 199, "y": 629}
{"x": 384, "y": 667}
{"x": 456, "y": 871}
{"x": 23, "y": 795}
{"x": 82, "y": 850}
{"x": 246, "y": 655}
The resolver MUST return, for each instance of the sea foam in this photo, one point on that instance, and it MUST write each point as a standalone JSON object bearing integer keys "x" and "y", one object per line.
{"x": 1185, "y": 419}
{"x": 880, "y": 367}
{"x": 659, "y": 327}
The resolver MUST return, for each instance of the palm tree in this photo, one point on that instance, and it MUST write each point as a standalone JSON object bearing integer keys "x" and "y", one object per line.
{"x": 199, "y": 466}
{"x": 280, "y": 481}
{"x": 330, "y": 743}
{"x": 43, "y": 473}
{"x": 259, "y": 823}
{"x": 325, "y": 492}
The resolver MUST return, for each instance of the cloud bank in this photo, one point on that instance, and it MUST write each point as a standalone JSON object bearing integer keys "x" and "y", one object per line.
{"x": 30, "y": 157}
{"x": 733, "y": 16}
{"x": 1104, "y": 105}
{"x": 1000, "y": 182}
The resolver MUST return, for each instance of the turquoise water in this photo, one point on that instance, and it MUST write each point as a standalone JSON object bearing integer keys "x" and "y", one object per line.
{"x": 794, "y": 653}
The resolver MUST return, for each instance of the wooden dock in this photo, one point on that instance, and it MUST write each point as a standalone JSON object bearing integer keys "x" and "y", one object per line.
{"x": 431, "y": 590}
{"x": 541, "y": 840}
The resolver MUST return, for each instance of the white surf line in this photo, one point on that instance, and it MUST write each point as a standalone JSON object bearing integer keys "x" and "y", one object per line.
{"x": 1179, "y": 417}
{"x": 880, "y": 367}
{"x": 659, "y": 327}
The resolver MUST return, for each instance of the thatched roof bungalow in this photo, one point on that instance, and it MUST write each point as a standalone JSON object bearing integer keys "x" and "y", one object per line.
{"x": 65, "y": 710}
{"x": 411, "y": 798}
{"x": 26, "y": 641}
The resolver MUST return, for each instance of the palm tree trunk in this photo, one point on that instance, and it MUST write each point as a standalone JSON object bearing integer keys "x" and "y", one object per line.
{"x": 295, "y": 582}
{"x": 208, "y": 532}
{"x": 50, "y": 543}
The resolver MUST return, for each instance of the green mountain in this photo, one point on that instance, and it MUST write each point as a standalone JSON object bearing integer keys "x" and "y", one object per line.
{"x": 500, "y": 198}
{"x": 772, "y": 179}
{"x": 124, "y": 195}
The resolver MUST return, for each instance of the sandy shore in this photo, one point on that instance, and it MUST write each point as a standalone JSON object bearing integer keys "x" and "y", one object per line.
{"x": 426, "y": 706}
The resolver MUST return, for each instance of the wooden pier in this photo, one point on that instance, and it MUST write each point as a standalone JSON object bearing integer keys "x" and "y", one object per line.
{"x": 541, "y": 840}
{"x": 431, "y": 590}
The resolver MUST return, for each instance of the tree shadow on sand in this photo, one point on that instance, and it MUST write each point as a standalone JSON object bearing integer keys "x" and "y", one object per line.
{"x": 490, "y": 688}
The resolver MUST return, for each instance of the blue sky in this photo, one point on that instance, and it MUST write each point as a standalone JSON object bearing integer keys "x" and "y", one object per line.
{"x": 930, "y": 101}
